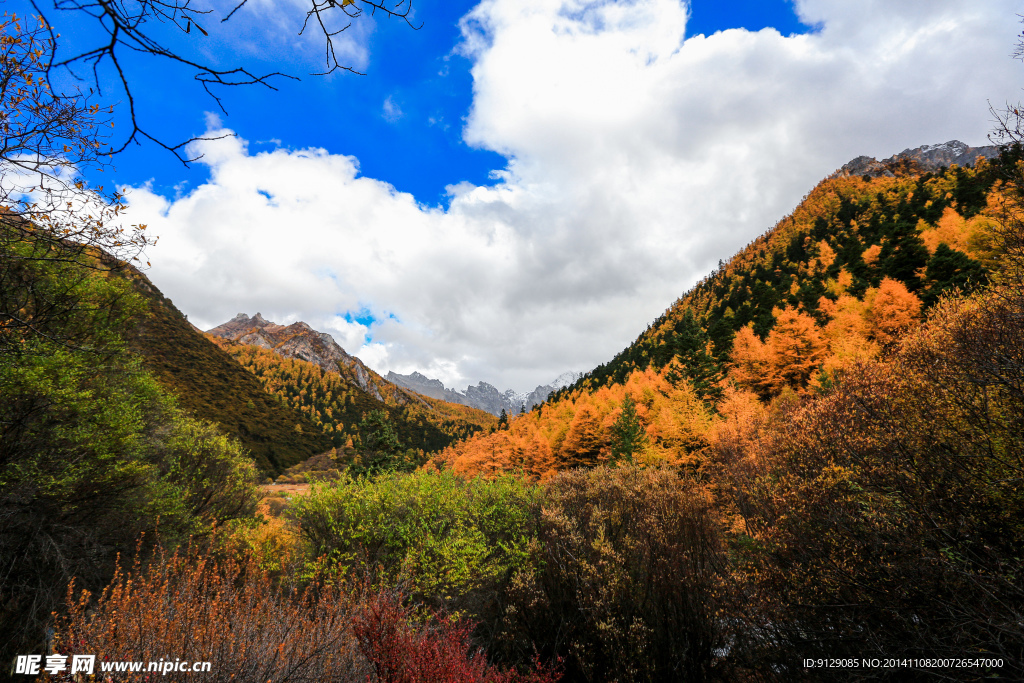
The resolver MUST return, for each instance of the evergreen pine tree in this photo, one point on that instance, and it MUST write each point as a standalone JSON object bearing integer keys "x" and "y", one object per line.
{"x": 690, "y": 345}
{"x": 381, "y": 449}
{"x": 949, "y": 269}
{"x": 628, "y": 436}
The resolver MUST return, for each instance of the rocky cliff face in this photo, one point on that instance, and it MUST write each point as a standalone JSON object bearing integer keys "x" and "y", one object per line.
{"x": 422, "y": 384}
{"x": 301, "y": 341}
{"x": 483, "y": 396}
{"x": 926, "y": 158}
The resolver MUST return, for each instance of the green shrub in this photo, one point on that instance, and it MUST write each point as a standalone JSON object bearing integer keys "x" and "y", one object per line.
{"x": 209, "y": 475}
{"x": 94, "y": 456}
{"x": 453, "y": 542}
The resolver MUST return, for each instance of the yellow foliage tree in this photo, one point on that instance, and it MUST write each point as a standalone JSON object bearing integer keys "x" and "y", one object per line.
{"x": 795, "y": 348}
{"x": 891, "y": 309}
{"x": 751, "y": 365}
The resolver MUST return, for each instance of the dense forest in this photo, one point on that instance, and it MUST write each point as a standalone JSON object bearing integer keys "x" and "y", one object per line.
{"x": 857, "y": 265}
{"x": 930, "y": 232}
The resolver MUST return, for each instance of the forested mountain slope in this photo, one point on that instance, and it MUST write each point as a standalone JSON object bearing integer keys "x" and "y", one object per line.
{"x": 837, "y": 282}
{"x": 928, "y": 229}
{"x": 331, "y": 393}
{"x": 302, "y": 342}
{"x": 211, "y": 385}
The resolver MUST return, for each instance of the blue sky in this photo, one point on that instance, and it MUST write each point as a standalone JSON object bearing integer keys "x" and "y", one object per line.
{"x": 519, "y": 187}
{"x": 418, "y": 148}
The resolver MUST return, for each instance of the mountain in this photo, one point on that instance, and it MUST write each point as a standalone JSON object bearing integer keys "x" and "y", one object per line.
{"x": 925, "y": 158}
{"x": 483, "y": 396}
{"x": 211, "y": 385}
{"x": 310, "y": 372}
{"x": 302, "y": 342}
{"x": 834, "y": 283}
{"x": 907, "y": 218}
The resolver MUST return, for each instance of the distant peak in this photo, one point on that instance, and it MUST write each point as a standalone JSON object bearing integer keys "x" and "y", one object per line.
{"x": 954, "y": 146}
{"x": 241, "y": 317}
{"x": 566, "y": 379}
{"x": 926, "y": 157}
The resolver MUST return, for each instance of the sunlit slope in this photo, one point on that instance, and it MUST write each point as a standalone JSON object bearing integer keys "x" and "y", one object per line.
{"x": 928, "y": 231}
{"x": 846, "y": 274}
{"x": 336, "y": 404}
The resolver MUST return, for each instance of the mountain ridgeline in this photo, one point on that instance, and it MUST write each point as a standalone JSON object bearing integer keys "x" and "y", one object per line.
{"x": 483, "y": 396}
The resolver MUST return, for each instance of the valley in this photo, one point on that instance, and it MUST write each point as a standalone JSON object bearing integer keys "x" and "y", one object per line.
{"x": 845, "y": 388}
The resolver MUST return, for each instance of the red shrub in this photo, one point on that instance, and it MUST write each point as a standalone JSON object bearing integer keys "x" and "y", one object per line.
{"x": 437, "y": 652}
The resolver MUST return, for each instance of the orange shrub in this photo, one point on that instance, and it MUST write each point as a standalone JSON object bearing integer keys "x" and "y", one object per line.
{"x": 228, "y": 613}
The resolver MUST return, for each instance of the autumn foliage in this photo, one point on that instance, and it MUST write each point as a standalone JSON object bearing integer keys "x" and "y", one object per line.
{"x": 887, "y": 515}
{"x": 231, "y": 613}
{"x": 227, "y": 612}
{"x": 440, "y": 651}
{"x": 336, "y": 404}
{"x": 578, "y": 430}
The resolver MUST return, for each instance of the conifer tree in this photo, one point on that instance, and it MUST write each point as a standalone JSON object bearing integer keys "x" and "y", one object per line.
{"x": 691, "y": 345}
{"x": 628, "y": 436}
{"x": 382, "y": 450}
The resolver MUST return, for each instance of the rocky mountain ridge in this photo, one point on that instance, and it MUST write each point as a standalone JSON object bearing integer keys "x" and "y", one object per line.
{"x": 483, "y": 396}
{"x": 926, "y": 157}
{"x": 301, "y": 341}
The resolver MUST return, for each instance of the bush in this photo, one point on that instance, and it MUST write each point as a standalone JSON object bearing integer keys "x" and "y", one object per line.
{"x": 450, "y": 541}
{"x": 253, "y": 629}
{"x": 92, "y": 452}
{"x": 213, "y": 479}
{"x": 624, "y": 584}
{"x": 275, "y": 506}
{"x": 439, "y": 651}
{"x": 887, "y": 517}
{"x": 228, "y": 613}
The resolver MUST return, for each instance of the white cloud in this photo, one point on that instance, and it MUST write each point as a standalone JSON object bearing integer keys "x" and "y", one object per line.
{"x": 636, "y": 160}
{"x": 391, "y": 111}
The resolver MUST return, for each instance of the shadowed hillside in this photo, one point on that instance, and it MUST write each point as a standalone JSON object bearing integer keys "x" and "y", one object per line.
{"x": 210, "y": 384}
